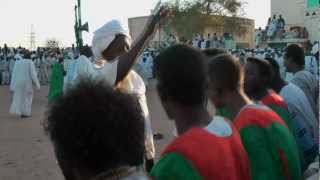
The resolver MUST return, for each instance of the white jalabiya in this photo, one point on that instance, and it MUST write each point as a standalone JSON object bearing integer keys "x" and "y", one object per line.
{"x": 134, "y": 84}
{"x": 311, "y": 65}
{"x": 83, "y": 68}
{"x": 309, "y": 85}
{"x": 24, "y": 76}
{"x": 299, "y": 107}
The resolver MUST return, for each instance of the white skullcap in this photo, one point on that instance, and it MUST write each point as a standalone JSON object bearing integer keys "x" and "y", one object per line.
{"x": 105, "y": 35}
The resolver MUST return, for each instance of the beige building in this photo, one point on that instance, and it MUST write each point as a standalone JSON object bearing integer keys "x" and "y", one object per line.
{"x": 296, "y": 13}
{"x": 137, "y": 24}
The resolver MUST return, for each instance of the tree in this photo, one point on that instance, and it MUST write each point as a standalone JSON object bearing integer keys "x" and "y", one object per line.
{"x": 193, "y": 16}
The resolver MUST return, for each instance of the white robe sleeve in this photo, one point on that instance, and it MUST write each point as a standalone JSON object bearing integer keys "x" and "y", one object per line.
{"x": 34, "y": 75}
{"x": 108, "y": 72}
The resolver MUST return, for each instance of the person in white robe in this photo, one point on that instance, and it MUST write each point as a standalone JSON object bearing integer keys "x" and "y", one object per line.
{"x": 295, "y": 63}
{"x": 2, "y": 69}
{"x": 24, "y": 77}
{"x": 111, "y": 45}
{"x": 6, "y": 73}
{"x": 11, "y": 66}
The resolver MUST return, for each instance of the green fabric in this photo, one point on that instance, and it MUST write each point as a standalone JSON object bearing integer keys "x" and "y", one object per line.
{"x": 284, "y": 114}
{"x": 223, "y": 112}
{"x": 56, "y": 82}
{"x": 262, "y": 145}
{"x": 173, "y": 166}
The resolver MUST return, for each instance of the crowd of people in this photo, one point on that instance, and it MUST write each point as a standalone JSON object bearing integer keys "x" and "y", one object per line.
{"x": 215, "y": 41}
{"x": 277, "y": 29}
{"x": 98, "y": 121}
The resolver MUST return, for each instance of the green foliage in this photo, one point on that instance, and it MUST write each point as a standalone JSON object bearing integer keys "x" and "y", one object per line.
{"x": 193, "y": 16}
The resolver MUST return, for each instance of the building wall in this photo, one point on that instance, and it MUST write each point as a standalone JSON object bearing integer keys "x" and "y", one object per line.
{"x": 137, "y": 24}
{"x": 294, "y": 12}
{"x": 291, "y": 10}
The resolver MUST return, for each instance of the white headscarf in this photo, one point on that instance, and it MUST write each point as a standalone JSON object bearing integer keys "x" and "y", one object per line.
{"x": 105, "y": 35}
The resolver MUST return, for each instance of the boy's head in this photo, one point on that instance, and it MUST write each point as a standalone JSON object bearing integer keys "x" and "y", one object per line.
{"x": 258, "y": 75}
{"x": 226, "y": 76}
{"x": 95, "y": 129}
{"x": 181, "y": 72}
{"x": 294, "y": 58}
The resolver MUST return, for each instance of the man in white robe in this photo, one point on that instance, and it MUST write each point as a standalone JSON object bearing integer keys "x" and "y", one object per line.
{"x": 11, "y": 66}
{"x": 295, "y": 63}
{"x": 5, "y": 73}
{"x": 111, "y": 45}
{"x": 24, "y": 77}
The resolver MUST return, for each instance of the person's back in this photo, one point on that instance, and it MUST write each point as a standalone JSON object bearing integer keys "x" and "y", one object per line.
{"x": 278, "y": 105}
{"x": 270, "y": 145}
{"x": 22, "y": 76}
{"x": 219, "y": 154}
{"x": 295, "y": 63}
{"x": 206, "y": 148}
{"x": 303, "y": 118}
{"x": 308, "y": 84}
{"x": 56, "y": 82}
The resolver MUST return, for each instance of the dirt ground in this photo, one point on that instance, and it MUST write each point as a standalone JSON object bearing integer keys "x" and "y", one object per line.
{"x": 26, "y": 152}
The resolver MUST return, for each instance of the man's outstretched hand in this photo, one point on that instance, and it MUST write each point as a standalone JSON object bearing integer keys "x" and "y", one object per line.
{"x": 158, "y": 20}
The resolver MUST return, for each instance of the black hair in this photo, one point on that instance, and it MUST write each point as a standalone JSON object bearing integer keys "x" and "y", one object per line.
{"x": 26, "y": 54}
{"x": 213, "y": 52}
{"x": 296, "y": 53}
{"x": 181, "y": 72}
{"x": 86, "y": 51}
{"x": 95, "y": 128}
{"x": 225, "y": 70}
{"x": 264, "y": 69}
{"x": 274, "y": 66}
{"x": 276, "y": 82}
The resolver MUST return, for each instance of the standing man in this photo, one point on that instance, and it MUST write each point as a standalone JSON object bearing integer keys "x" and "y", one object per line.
{"x": 24, "y": 77}
{"x": 294, "y": 61}
{"x": 271, "y": 147}
{"x": 206, "y": 148}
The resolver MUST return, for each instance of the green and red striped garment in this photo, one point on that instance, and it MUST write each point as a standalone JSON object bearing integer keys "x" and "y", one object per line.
{"x": 278, "y": 105}
{"x": 271, "y": 147}
{"x": 200, "y": 154}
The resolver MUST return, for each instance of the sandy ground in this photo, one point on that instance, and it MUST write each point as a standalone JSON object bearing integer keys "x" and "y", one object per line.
{"x": 26, "y": 152}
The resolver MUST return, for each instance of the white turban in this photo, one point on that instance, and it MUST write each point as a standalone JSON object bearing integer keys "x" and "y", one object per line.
{"x": 105, "y": 35}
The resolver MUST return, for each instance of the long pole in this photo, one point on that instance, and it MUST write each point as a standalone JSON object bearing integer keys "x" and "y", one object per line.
{"x": 76, "y": 25}
{"x": 79, "y": 23}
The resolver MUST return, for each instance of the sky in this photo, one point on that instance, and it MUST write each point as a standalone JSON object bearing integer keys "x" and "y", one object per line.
{"x": 55, "y": 18}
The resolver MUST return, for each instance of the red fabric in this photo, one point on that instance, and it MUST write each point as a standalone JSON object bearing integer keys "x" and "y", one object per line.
{"x": 274, "y": 98}
{"x": 285, "y": 164}
{"x": 257, "y": 115}
{"x": 214, "y": 157}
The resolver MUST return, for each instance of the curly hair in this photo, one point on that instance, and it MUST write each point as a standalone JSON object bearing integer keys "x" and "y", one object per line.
{"x": 95, "y": 128}
{"x": 182, "y": 75}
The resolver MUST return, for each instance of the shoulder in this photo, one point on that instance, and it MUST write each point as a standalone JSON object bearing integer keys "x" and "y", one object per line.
{"x": 174, "y": 166}
{"x": 256, "y": 115}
